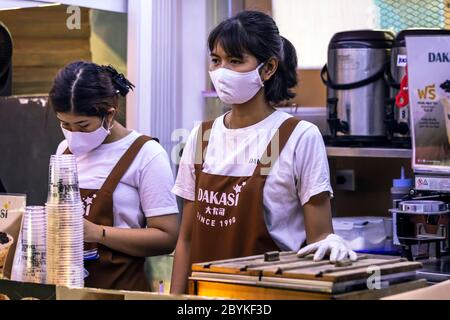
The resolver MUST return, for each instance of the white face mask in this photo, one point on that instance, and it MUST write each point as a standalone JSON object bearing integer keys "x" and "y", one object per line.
{"x": 236, "y": 87}
{"x": 83, "y": 142}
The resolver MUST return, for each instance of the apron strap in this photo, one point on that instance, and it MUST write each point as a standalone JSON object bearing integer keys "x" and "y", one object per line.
{"x": 280, "y": 138}
{"x": 202, "y": 144}
{"x": 123, "y": 164}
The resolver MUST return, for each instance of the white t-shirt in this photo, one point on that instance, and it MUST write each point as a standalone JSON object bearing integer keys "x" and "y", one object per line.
{"x": 301, "y": 172}
{"x": 143, "y": 191}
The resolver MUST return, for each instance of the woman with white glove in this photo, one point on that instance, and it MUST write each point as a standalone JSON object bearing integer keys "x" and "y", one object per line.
{"x": 255, "y": 179}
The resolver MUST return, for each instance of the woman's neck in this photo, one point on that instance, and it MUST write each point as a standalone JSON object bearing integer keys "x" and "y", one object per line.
{"x": 249, "y": 113}
{"x": 117, "y": 132}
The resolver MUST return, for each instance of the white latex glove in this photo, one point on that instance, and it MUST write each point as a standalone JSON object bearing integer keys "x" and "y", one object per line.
{"x": 334, "y": 245}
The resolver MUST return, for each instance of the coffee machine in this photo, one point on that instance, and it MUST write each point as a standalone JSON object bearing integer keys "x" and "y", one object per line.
{"x": 422, "y": 224}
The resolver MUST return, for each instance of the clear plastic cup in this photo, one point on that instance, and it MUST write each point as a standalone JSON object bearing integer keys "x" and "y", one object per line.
{"x": 63, "y": 180}
{"x": 30, "y": 264}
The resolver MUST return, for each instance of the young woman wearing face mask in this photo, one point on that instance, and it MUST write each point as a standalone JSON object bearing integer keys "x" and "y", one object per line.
{"x": 263, "y": 182}
{"x": 125, "y": 177}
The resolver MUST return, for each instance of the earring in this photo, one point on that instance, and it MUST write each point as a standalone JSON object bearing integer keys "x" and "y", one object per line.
{"x": 111, "y": 125}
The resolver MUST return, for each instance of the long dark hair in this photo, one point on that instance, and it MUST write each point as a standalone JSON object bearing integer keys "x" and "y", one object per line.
{"x": 256, "y": 33}
{"x": 88, "y": 89}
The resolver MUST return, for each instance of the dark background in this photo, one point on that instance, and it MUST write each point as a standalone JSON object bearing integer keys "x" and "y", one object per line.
{"x": 27, "y": 140}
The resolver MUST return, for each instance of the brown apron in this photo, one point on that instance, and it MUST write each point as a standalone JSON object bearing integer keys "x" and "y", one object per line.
{"x": 229, "y": 213}
{"x": 114, "y": 270}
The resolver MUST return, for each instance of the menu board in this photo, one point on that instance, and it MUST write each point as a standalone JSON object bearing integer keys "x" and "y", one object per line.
{"x": 429, "y": 95}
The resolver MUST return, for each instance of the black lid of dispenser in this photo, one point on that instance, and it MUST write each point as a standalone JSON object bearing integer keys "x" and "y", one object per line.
{"x": 400, "y": 41}
{"x": 362, "y": 39}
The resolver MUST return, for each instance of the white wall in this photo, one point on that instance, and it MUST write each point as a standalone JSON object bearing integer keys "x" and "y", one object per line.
{"x": 193, "y": 67}
{"x": 310, "y": 24}
{"x": 168, "y": 65}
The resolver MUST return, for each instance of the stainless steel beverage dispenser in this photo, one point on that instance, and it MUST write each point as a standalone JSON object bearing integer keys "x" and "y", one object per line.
{"x": 356, "y": 88}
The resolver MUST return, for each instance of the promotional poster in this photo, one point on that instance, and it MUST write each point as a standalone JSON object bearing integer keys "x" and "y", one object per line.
{"x": 429, "y": 91}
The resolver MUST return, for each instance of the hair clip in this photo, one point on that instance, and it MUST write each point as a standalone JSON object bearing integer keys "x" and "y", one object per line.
{"x": 121, "y": 83}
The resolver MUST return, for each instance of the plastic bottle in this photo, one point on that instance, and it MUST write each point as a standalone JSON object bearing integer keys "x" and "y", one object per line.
{"x": 400, "y": 188}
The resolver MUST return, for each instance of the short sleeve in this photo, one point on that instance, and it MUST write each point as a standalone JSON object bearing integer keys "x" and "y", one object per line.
{"x": 61, "y": 147}
{"x": 155, "y": 183}
{"x": 312, "y": 169}
{"x": 185, "y": 182}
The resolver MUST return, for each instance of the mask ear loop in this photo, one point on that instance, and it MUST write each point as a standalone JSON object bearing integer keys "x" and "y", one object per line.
{"x": 110, "y": 126}
{"x": 260, "y": 75}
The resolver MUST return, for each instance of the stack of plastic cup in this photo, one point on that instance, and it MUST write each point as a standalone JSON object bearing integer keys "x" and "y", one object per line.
{"x": 31, "y": 265}
{"x": 65, "y": 212}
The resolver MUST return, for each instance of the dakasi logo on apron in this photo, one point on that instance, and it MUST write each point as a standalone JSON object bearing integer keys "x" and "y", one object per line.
{"x": 217, "y": 205}
{"x": 87, "y": 203}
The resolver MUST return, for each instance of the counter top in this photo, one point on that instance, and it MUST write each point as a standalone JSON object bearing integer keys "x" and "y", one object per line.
{"x": 435, "y": 270}
{"x": 13, "y": 290}
{"x": 440, "y": 291}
